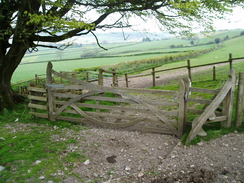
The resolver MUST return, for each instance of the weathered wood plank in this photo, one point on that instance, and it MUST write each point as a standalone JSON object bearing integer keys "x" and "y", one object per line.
{"x": 147, "y": 116}
{"x": 150, "y": 91}
{"x": 37, "y": 106}
{"x": 117, "y": 108}
{"x": 204, "y": 90}
{"x": 240, "y": 100}
{"x": 200, "y": 101}
{"x": 182, "y": 106}
{"x": 39, "y": 98}
{"x": 217, "y": 119}
{"x": 98, "y": 98}
{"x": 35, "y": 89}
{"x": 107, "y": 115}
{"x": 170, "y": 69}
{"x": 165, "y": 104}
{"x": 200, "y": 111}
{"x": 68, "y": 87}
{"x": 230, "y": 98}
{"x": 65, "y": 95}
{"x": 210, "y": 64}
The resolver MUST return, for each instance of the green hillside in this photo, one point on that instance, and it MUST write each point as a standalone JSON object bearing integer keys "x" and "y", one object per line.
{"x": 93, "y": 56}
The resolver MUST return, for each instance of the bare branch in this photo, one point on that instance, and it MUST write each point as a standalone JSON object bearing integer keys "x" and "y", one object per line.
{"x": 98, "y": 42}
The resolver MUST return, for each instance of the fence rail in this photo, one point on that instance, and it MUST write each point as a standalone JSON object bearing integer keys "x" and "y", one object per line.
{"x": 187, "y": 66}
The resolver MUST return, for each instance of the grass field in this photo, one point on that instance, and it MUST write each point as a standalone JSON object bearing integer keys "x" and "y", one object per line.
{"x": 81, "y": 57}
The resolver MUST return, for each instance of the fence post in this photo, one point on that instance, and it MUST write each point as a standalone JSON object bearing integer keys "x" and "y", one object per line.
{"x": 184, "y": 85}
{"x": 229, "y": 100}
{"x": 87, "y": 76}
{"x": 189, "y": 69}
{"x": 240, "y": 100}
{"x": 115, "y": 79}
{"x": 153, "y": 76}
{"x": 61, "y": 79}
{"x": 187, "y": 82}
{"x": 49, "y": 91}
{"x": 126, "y": 81}
{"x": 214, "y": 73}
{"x": 21, "y": 89}
{"x": 230, "y": 60}
{"x": 100, "y": 77}
{"x": 36, "y": 79}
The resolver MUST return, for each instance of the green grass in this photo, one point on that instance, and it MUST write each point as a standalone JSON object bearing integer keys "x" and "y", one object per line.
{"x": 27, "y": 141}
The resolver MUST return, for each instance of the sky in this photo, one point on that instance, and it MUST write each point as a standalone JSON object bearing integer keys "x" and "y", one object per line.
{"x": 233, "y": 21}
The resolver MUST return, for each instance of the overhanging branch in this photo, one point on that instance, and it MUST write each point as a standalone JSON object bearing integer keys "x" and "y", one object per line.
{"x": 98, "y": 41}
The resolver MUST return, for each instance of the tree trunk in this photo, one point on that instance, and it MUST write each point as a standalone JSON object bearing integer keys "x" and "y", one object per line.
{"x": 8, "y": 98}
{"x": 8, "y": 64}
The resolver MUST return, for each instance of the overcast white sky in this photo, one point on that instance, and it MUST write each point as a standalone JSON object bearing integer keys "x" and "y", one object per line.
{"x": 233, "y": 21}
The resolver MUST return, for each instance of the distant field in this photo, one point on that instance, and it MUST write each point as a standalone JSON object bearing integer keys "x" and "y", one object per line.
{"x": 123, "y": 52}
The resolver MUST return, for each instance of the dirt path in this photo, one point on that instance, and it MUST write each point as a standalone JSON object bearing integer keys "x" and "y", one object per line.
{"x": 120, "y": 156}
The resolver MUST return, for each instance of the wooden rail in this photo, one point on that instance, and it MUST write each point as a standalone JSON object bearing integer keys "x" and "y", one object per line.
{"x": 188, "y": 66}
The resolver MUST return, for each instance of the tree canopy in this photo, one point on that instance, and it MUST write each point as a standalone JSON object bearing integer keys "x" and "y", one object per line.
{"x": 27, "y": 24}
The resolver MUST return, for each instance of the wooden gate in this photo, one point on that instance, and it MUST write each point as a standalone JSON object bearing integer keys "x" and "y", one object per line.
{"x": 160, "y": 111}
{"x": 219, "y": 110}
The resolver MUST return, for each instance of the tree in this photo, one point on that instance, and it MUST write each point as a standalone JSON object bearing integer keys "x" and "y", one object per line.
{"x": 147, "y": 39}
{"x": 27, "y": 24}
{"x": 217, "y": 40}
{"x": 242, "y": 33}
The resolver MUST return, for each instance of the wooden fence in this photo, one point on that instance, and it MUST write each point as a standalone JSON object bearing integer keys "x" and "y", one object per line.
{"x": 160, "y": 111}
{"x": 101, "y": 75}
{"x": 188, "y": 67}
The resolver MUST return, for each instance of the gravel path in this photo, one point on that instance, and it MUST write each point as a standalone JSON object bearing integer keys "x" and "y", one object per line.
{"x": 121, "y": 156}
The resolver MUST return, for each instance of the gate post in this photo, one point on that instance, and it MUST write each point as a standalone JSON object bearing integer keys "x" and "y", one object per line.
{"x": 229, "y": 100}
{"x": 230, "y": 60}
{"x": 100, "y": 77}
{"x": 115, "y": 79}
{"x": 49, "y": 91}
{"x": 183, "y": 95}
{"x": 126, "y": 81}
{"x": 240, "y": 100}
{"x": 189, "y": 69}
{"x": 153, "y": 77}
